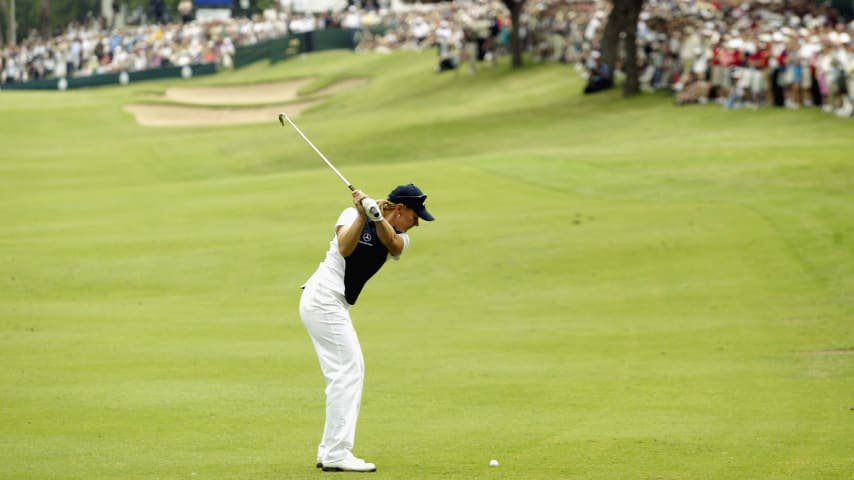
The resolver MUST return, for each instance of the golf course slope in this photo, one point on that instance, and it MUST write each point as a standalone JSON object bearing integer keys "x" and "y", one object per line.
{"x": 612, "y": 289}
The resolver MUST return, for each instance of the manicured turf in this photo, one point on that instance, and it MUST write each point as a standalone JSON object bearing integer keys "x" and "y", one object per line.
{"x": 614, "y": 289}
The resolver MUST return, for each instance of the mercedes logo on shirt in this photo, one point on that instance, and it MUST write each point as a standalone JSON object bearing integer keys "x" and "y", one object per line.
{"x": 366, "y": 238}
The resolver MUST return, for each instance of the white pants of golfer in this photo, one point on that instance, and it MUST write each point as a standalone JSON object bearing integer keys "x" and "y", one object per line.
{"x": 326, "y": 316}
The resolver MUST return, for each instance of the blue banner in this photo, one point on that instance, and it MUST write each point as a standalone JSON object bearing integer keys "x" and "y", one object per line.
{"x": 212, "y": 3}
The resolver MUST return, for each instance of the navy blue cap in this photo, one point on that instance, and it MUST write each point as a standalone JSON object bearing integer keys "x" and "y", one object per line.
{"x": 412, "y": 197}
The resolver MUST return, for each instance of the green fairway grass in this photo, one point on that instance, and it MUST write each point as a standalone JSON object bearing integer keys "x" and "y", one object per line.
{"x": 613, "y": 288}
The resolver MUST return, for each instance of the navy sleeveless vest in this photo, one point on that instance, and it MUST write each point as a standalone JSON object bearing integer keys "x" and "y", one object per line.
{"x": 366, "y": 260}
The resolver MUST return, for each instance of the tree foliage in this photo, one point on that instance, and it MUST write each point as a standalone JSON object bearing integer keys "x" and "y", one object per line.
{"x": 50, "y": 16}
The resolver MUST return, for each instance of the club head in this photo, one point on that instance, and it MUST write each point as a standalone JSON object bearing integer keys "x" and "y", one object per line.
{"x": 282, "y": 119}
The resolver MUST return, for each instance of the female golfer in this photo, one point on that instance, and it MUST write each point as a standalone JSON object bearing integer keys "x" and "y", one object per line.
{"x": 358, "y": 249}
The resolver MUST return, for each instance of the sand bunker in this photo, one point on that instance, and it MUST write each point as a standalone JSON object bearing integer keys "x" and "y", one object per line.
{"x": 272, "y": 94}
{"x": 238, "y": 94}
{"x": 178, "y": 116}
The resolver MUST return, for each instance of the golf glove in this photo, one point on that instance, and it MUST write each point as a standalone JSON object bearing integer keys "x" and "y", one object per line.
{"x": 372, "y": 209}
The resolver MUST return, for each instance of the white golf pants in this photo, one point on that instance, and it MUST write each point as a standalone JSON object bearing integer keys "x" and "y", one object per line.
{"x": 327, "y": 318}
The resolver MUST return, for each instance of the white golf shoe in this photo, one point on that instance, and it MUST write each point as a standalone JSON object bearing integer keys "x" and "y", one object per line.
{"x": 349, "y": 464}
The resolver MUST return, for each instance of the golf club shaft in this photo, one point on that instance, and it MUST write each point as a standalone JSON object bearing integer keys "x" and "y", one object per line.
{"x": 283, "y": 117}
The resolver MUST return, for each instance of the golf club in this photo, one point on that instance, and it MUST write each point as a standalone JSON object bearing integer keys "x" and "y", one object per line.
{"x": 368, "y": 204}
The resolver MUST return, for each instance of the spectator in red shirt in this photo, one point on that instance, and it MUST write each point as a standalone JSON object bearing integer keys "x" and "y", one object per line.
{"x": 758, "y": 71}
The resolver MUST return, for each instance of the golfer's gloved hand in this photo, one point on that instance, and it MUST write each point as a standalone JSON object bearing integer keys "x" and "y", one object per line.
{"x": 372, "y": 209}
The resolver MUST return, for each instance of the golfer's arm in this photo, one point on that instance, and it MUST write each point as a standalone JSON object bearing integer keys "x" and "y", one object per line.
{"x": 392, "y": 241}
{"x": 348, "y": 236}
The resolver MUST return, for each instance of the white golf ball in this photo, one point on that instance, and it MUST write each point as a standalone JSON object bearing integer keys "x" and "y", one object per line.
{"x": 493, "y": 463}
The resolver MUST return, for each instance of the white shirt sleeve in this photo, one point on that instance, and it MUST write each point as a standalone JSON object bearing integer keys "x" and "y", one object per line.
{"x": 405, "y": 238}
{"x": 347, "y": 217}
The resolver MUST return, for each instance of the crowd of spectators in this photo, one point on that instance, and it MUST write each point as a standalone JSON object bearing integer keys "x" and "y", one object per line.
{"x": 767, "y": 52}
{"x": 98, "y": 46}
{"x": 91, "y": 48}
{"x": 738, "y": 54}
{"x": 749, "y": 54}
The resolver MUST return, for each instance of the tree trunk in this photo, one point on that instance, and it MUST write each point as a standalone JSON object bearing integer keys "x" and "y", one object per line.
{"x": 609, "y": 45}
{"x": 632, "y": 85}
{"x": 620, "y": 35}
{"x": 515, "y": 7}
{"x": 5, "y": 14}
{"x": 10, "y": 15}
{"x": 44, "y": 19}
